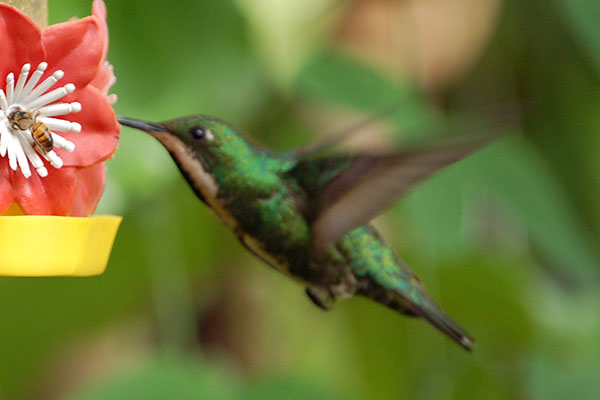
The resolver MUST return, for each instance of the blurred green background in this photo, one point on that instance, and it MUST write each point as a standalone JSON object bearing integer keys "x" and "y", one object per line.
{"x": 506, "y": 241}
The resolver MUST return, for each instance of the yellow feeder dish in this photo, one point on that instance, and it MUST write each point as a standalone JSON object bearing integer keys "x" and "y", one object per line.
{"x": 43, "y": 245}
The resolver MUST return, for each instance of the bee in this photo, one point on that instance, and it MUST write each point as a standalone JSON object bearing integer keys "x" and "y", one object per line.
{"x": 42, "y": 137}
{"x": 23, "y": 120}
{"x": 20, "y": 119}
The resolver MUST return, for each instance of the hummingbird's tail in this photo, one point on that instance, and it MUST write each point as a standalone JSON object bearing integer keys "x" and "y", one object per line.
{"x": 438, "y": 318}
{"x": 418, "y": 303}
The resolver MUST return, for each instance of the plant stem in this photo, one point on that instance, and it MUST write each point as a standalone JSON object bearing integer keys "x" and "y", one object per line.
{"x": 36, "y": 9}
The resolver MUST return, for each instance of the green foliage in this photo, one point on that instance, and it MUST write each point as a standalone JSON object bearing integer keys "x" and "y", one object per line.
{"x": 183, "y": 379}
{"x": 550, "y": 381}
{"x": 582, "y": 17}
{"x": 326, "y": 79}
{"x": 506, "y": 241}
{"x": 172, "y": 378}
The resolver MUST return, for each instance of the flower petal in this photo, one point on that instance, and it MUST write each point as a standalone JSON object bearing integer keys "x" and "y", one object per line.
{"x": 99, "y": 11}
{"x": 91, "y": 186}
{"x": 105, "y": 77}
{"x": 99, "y": 134}
{"x": 6, "y": 191}
{"x": 76, "y": 48}
{"x": 21, "y": 41}
{"x": 103, "y": 80}
{"x": 52, "y": 195}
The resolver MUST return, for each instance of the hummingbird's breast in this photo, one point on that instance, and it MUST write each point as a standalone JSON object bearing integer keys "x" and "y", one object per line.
{"x": 264, "y": 212}
{"x": 261, "y": 209}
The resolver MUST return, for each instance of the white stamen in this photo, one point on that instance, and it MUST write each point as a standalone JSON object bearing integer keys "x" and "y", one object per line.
{"x": 10, "y": 86}
{"x": 59, "y": 109}
{"x": 12, "y": 146}
{"x": 61, "y": 124}
{"x": 40, "y": 103}
{"x": 54, "y": 95}
{"x": 21, "y": 81}
{"x": 41, "y": 68}
{"x": 3, "y": 102}
{"x": 63, "y": 143}
{"x": 42, "y": 171}
{"x": 54, "y": 159}
{"x": 34, "y": 158}
{"x": 4, "y": 133}
{"x": 21, "y": 158}
{"x": 47, "y": 84}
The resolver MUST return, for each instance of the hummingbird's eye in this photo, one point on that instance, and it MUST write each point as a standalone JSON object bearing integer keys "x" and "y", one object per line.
{"x": 200, "y": 133}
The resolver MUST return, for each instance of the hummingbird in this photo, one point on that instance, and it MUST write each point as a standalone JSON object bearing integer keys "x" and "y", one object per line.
{"x": 307, "y": 214}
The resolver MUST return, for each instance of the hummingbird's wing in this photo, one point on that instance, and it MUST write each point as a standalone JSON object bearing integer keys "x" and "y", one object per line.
{"x": 329, "y": 142}
{"x": 347, "y": 192}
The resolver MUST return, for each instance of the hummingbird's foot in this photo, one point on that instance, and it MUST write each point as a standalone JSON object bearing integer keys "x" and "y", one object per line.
{"x": 321, "y": 297}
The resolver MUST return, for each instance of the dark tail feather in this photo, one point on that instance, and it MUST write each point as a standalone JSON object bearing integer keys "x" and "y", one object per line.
{"x": 426, "y": 309}
{"x": 444, "y": 323}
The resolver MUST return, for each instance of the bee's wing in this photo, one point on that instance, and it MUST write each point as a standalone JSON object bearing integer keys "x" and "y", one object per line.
{"x": 369, "y": 184}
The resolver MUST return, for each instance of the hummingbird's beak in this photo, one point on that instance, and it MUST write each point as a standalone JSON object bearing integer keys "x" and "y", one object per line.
{"x": 146, "y": 126}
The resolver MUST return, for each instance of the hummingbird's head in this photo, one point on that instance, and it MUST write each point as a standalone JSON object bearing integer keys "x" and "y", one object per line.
{"x": 205, "y": 148}
{"x": 201, "y": 134}
{"x": 207, "y": 138}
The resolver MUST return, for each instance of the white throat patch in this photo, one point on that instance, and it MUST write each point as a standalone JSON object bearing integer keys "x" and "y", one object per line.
{"x": 204, "y": 182}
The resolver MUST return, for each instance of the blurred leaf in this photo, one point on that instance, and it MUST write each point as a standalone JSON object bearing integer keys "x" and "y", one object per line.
{"x": 478, "y": 382}
{"x": 489, "y": 296}
{"x": 343, "y": 80}
{"x": 583, "y": 17}
{"x": 42, "y": 315}
{"x": 383, "y": 340}
{"x": 285, "y": 32}
{"x": 550, "y": 380}
{"x": 517, "y": 173}
{"x": 435, "y": 210}
{"x": 182, "y": 56}
{"x": 181, "y": 379}
{"x": 513, "y": 170}
{"x": 288, "y": 388}
{"x": 170, "y": 379}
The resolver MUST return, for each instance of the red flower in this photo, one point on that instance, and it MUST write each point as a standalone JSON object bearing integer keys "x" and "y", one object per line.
{"x": 69, "y": 174}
